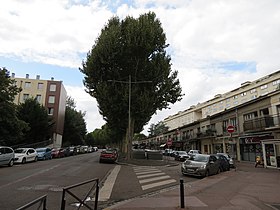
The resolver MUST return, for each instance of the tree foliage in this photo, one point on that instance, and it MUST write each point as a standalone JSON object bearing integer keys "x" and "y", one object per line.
{"x": 133, "y": 48}
{"x": 36, "y": 116}
{"x": 11, "y": 128}
{"x": 74, "y": 125}
{"x": 157, "y": 129}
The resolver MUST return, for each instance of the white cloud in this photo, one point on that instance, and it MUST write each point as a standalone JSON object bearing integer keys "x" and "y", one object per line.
{"x": 203, "y": 35}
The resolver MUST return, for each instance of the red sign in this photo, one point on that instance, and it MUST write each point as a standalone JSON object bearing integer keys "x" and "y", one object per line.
{"x": 169, "y": 142}
{"x": 230, "y": 129}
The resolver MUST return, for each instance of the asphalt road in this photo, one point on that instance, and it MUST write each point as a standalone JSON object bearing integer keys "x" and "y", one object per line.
{"x": 21, "y": 184}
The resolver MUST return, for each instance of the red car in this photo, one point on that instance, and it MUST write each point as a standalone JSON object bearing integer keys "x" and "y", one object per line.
{"x": 58, "y": 153}
{"x": 109, "y": 155}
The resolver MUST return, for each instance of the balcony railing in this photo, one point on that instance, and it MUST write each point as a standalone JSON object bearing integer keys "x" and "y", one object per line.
{"x": 261, "y": 123}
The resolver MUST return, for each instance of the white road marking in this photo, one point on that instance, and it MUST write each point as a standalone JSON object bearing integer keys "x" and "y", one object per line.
{"x": 153, "y": 179}
{"x": 106, "y": 190}
{"x": 148, "y": 172}
{"x": 148, "y": 186}
{"x": 150, "y": 175}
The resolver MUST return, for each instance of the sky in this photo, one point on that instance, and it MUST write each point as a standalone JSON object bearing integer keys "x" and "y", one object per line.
{"x": 214, "y": 45}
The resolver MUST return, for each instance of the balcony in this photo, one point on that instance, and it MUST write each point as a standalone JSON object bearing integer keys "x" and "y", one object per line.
{"x": 207, "y": 133}
{"x": 261, "y": 123}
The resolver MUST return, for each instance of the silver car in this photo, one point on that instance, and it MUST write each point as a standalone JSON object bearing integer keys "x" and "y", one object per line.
{"x": 229, "y": 158}
{"x": 7, "y": 156}
{"x": 201, "y": 165}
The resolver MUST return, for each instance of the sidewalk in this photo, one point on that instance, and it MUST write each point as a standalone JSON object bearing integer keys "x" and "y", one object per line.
{"x": 245, "y": 188}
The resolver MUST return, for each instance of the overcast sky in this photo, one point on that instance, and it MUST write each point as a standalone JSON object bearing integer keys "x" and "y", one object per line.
{"x": 215, "y": 45}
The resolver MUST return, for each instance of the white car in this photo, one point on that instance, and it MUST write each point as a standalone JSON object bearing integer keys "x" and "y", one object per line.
{"x": 23, "y": 155}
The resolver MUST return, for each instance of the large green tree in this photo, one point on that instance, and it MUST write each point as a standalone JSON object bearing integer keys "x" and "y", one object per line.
{"x": 74, "y": 125}
{"x": 129, "y": 61}
{"x": 40, "y": 124}
{"x": 11, "y": 128}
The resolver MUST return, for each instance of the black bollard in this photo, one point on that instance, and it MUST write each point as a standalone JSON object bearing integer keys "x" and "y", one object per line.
{"x": 182, "y": 193}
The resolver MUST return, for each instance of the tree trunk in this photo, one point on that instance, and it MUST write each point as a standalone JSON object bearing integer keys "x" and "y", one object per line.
{"x": 129, "y": 137}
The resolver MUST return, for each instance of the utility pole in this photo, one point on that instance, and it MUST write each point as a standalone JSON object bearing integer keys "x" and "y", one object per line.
{"x": 129, "y": 133}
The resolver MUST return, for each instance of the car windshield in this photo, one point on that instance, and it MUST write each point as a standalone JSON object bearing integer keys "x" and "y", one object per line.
{"x": 200, "y": 158}
{"x": 20, "y": 150}
{"x": 182, "y": 152}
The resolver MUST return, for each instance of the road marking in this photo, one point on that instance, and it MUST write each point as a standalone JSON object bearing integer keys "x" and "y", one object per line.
{"x": 148, "y": 172}
{"x": 106, "y": 190}
{"x": 150, "y": 175}
{"x": 153, "y": 179}
{"x": 148, "y": 186}
{"x": 27, "y": 177}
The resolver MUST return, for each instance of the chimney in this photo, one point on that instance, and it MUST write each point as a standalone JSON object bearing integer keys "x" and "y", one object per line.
{"x": 38, "y": 77}
{"x": 13, "y": 75}
{"x": 27, "y": 76}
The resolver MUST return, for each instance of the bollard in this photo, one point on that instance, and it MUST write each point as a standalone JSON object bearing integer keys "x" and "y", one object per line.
{"x": 182, "y": 193}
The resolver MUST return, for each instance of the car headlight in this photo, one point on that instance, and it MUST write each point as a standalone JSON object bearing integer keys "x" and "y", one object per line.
{"x": 203, "y": 166}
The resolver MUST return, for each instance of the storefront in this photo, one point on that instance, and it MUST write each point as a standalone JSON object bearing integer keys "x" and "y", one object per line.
{"x": 250, "y": 146}
{"x": 271, "y": 153}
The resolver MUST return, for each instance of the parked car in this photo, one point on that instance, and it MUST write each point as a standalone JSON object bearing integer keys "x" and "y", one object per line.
{"x": 84, "y": 149}
{"x": 108, "y": 155}
{"x": 194, "y": 152}
{"x": 44, "y": 153}
{"x": 95, "y": 149}
{"x": 229, "y": 158}
{"x": 224, "y": 163}
{"x": 72, "y": 150}
{"x": 7, "y": 156}
{"x": 201, "y": 165}
{"x": 58, "y": 153}
{"x": 168, "y": 152}
{"x": 23, "y": 155}
{"x": 181, "y": 155}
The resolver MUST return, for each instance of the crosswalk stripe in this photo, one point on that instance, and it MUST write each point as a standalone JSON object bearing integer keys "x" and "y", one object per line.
{"x": 148, "y": 186}
{"x": 153, "y": 179}
{"x": 148, "y": 172}
{"x": 149, "y": 175}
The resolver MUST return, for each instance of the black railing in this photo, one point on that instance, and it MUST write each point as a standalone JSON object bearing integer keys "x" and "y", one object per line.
{"x": 82, "y": 202}
{"x": 42, "y": 203}
{"x": 261, "y": 123}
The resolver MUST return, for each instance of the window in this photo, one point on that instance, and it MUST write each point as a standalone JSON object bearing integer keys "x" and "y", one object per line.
{"x": 25, "y": 96}
{"x": 235, "y": 97}
{"x": 276, "y": 82}
{"x": 50, "y": 111}
{"x": 53, "y": 87}
{"x": 40, "y": 86}
{"x": 250, "y": 116}
{"x": 27, "y": 84}
{"x": 232, "y": 121}
{"x": 243, "y": 94}
{"x": 253, "y": 90}
{"x": 225, "y": 125}
{"x": 263, "y": 87}
{"x": 39, "y": 98}
{"x": 51, "y": 99}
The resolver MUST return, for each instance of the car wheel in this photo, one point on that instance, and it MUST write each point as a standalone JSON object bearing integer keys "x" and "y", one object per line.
{"x": 219, "y": 170}
{"x": 206, "y": 173}
{"x": 44, "y": 158}
{"x": 23, "y": 160}
{"x": 36, "y": 158}
{"x": 11, "y": 163}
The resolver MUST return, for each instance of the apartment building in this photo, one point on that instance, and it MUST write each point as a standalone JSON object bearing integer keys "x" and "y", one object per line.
{"x": 253, "y": 110}
{"x": 51, "y": 94}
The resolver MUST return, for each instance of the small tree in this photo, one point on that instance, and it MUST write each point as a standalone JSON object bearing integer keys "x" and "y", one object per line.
{"x": 35, "y": 114}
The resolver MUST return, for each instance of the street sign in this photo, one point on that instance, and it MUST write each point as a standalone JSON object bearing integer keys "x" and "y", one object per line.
{"x": 230, "y": 129}
{"x": 169, "y": 142}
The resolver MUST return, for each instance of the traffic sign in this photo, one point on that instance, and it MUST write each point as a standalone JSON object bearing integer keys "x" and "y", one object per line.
{"x": 169, "y": 142}
{"x": 230, "y": 129}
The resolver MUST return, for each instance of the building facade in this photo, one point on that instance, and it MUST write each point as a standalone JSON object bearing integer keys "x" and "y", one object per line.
{"x": 253, "y": 110}
{"x": 49, "y": 93}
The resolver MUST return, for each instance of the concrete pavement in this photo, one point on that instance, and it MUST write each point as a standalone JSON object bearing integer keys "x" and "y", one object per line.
{"x": 246, "y": 187}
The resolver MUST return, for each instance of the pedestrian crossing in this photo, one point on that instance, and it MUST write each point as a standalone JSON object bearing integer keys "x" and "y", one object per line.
{"x": 150, "y": 177}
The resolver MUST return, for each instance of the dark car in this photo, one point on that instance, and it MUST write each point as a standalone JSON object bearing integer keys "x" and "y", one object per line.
{"x": 224, "y": 163}
{"x": 108, "y": 155}
{"x": 181, "y": 155}
{"x": 58, "y": 153}
{"x": 201, "y": 165}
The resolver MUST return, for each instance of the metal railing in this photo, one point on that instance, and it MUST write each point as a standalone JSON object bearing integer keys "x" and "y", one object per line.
{"x": 82, "y": 202}
{"x": 41, "y": 200}
{"x": 261, "y": 123}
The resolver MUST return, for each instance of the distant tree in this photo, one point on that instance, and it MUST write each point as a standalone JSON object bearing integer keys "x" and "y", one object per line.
{"x": 74, "y": 125}
{"x": 129, "y": 56}
{"x": 157, "y": 129}
{"x": 11, "y": 128}
{"x": 40, "y": 124}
